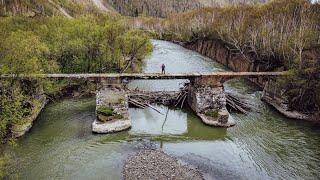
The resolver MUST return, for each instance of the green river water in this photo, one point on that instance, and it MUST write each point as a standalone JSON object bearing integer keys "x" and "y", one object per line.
{"x": 262, "y": 145}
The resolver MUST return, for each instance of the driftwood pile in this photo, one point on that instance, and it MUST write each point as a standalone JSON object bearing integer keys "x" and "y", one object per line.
{"x": 143, "y": 99}
{"x": 140, "y": 103}
{"x": 239, "y": 104}
{"x": 181, "y": 99}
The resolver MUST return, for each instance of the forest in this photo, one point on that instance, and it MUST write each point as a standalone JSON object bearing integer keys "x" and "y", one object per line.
{"x": 87, "y": 44}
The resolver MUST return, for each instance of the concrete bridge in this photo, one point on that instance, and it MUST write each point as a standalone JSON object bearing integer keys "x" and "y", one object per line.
{"x": 205, "y": 96}
{"x": 148, "y": 75}
{"x": 209, "y": 79}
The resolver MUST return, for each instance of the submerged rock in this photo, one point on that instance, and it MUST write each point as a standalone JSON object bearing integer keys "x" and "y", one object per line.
{"x": 110, "y": 126}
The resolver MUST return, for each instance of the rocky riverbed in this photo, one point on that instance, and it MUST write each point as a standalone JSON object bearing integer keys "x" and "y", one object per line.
{"x": 155, "y": 164}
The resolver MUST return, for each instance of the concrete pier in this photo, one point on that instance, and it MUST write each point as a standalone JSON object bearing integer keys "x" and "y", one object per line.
{"x": 112, "y": 111}
{"x": 207, "y": 99}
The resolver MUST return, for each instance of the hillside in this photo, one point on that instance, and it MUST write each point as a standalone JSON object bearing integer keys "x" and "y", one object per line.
{"x": 163, "y": 8}
{"x": 73, "y": 8}
{"x": 225, "y": 2}
{"x": 156, "y": 8}
{"x": 68, "y": 8}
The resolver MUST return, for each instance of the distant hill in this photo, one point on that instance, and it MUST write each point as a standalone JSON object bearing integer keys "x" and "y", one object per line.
{"x": 156, "y": 8}
{"x": 163, "y": 8}
{"x": 72, "y": 8}
{"x": 225, "y": 2}
{"x": 67, "y": 8}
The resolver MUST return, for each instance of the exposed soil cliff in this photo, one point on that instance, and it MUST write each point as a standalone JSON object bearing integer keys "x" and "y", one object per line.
{"x": 219, "y": 51}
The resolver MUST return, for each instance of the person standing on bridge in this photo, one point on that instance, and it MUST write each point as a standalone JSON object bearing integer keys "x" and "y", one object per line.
{"x": 163, "y": 68}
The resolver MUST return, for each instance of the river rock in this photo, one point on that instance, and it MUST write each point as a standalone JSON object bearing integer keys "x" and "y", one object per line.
{"x": 222, "y": 120}
{"x": 155, "y": 164}
{"x": 110, "y": 126}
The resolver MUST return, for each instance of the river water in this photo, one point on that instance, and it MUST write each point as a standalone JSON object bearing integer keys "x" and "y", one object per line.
{"x": 262, "y": 145}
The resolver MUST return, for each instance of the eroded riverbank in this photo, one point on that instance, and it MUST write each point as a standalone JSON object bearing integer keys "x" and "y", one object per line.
{"x": 273, "y": 91}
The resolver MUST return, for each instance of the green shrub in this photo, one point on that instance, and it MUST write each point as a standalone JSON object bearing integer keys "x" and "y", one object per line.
{"x": 4, "y": 161}
{"x": 106, "y": 111}
{"x": 108, "y": 114}
{"x": 212, "y": 113}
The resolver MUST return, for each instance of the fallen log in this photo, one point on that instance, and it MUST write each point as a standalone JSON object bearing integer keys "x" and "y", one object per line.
{"x": 137, "y": 104}
{"x": 141, "y": 104}
{"x": 185, "y": 96}
{"x": 154, "y": 109}
{"x": 238, "y": 104}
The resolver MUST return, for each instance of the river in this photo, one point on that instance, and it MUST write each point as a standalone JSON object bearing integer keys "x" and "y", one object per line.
{"x": 262, "y": 145}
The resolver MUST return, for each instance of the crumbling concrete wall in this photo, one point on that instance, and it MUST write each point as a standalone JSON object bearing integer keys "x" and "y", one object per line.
{"x": 208, "y": 96}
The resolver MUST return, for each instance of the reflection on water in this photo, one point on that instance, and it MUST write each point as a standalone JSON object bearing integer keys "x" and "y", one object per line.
{"x": 181, "y": 123}
{"x": 263, "y": 144}
{"x": 148, "y": 121}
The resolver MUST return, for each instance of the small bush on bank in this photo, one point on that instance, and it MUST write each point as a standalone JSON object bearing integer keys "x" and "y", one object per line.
{"x": 106, "y": 111}
{"x": 212, "y": 113}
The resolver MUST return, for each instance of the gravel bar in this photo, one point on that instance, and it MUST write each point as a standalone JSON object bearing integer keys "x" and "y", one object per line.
{"x": 155, "y": 164}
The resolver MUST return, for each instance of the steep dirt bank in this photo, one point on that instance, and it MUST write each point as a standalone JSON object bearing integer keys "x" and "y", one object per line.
{"x": 217, "y": 50}
{"x": 272, "y": 93}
